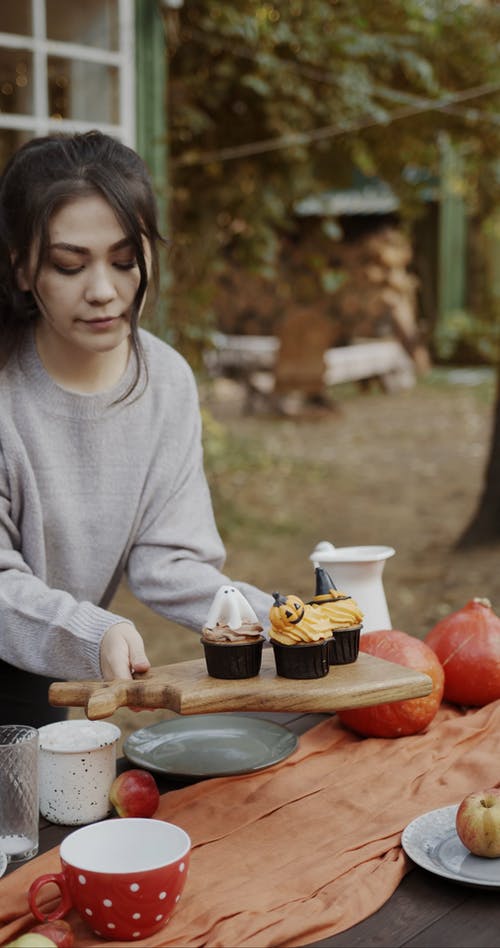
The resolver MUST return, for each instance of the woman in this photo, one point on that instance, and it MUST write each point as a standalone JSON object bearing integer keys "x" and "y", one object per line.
{"x": 101, "y": 467}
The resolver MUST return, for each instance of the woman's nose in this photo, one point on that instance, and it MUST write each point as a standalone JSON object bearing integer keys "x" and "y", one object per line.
{"x": 100, "y": 286}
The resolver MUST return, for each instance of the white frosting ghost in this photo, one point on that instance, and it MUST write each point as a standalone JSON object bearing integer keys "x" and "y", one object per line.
{"x": 231, "y": 616}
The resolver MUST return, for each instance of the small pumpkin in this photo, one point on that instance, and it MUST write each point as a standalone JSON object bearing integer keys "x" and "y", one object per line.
{"x": 286, "y": 611}
{"x": 467, "y": 643}
{"x": 398, "y": 718}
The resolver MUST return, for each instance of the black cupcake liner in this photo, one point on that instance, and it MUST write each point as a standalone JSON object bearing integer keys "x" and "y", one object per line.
{"x": 303, "y": 660}
{"x": 233, "y": 659}
{"x": 343, "y": 648}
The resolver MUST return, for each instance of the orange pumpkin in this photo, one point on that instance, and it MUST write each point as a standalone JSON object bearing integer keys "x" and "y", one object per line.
{"x": 285, "y": 611}
{"x": 398, "y": 718}
{"x": 467, "y": 643}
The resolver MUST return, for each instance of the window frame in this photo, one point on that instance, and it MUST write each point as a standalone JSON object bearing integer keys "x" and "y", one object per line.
{"x": 39, "y": 121}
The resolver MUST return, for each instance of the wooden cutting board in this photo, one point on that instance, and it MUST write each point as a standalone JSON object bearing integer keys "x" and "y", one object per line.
{"x": 187, "y": 689}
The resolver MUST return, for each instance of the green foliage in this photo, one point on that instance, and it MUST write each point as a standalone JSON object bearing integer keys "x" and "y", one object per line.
{"x": 462, "y": 329}
{"x": 272, "y": 101}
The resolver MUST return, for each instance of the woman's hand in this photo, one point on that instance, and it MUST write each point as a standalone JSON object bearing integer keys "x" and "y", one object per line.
{"x": 122, "y": 652}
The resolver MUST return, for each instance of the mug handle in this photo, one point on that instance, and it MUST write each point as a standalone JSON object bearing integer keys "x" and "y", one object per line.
{"x": 65, "y": 904}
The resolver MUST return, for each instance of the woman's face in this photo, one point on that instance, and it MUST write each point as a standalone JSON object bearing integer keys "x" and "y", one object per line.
{"x": 87, "y": 285}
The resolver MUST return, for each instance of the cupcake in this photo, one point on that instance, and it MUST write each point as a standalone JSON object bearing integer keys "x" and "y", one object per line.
{"x": 232, "y": 636}
{"x": 344, "y": 615}
{"x": 299, "y": 636}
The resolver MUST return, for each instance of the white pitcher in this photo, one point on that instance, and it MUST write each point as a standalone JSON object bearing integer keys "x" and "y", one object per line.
{"x": 357, "y": 570}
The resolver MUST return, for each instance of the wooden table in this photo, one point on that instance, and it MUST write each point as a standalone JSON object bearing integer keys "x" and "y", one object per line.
{"x": 425, "y": 910}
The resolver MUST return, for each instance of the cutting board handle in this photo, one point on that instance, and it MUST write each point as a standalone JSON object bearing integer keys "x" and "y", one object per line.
{"x": 99, "y": 698}
{"x": 106, "y": 700}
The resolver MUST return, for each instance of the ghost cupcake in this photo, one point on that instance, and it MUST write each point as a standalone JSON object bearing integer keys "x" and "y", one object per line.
{"x": 232, "y": 636}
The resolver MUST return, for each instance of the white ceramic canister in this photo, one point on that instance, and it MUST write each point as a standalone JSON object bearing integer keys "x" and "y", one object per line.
{"x": 357, "y": 570}
{"x": 77, "y": 765}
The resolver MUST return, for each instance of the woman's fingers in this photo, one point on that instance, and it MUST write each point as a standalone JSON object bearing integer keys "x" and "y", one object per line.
{"x": 122, "y": 652}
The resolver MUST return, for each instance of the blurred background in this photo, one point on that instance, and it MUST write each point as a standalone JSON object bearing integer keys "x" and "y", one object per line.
{"x": 328, "y": 176}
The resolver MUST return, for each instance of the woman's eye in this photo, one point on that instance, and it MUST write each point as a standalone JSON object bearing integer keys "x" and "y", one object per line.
{"x": 68, "y": 271}
{"x": 125, "y": 265}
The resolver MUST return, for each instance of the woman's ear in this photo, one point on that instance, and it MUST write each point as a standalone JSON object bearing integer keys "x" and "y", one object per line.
{"x": 22, "y": 281}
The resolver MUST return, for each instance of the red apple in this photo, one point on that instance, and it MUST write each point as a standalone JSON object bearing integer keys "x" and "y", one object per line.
{"x": 478, "y": 822}
{"x": 134, "y": 793}
{"x": 58, "y": 931}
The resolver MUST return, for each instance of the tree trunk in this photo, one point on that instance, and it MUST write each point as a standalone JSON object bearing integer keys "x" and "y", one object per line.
{"x": 485, "y": 524}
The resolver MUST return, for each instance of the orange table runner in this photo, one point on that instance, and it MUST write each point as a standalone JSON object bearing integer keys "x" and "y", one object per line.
{"x": 308, "y": 847}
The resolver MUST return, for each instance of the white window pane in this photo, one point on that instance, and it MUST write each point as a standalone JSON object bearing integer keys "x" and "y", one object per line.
{"x": 15, "y": 17}
{"x": 87, "y": 92}
{"x": 16, "y": 82}
{"x": 88, "y": 22}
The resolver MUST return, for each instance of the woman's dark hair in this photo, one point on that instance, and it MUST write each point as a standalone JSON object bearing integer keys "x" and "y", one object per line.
{"x": 39, "y": 179}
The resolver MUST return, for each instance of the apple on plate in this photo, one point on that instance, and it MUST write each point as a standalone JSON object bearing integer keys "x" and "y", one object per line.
{"x": 478, "y": 822}
{"x": 135, "y": 793}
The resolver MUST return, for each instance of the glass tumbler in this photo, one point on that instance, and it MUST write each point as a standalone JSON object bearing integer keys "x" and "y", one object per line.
{"x": 18, "y": 791}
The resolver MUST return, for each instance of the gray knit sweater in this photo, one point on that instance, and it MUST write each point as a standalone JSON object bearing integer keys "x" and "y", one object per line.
{"x": 92, "y": 489}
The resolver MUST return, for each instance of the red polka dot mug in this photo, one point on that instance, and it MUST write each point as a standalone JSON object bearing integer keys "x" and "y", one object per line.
{"x": 123, "y": 876}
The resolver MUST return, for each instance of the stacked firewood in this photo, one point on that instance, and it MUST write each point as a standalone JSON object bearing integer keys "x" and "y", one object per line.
{"x": 375, "y": 298}
{"x": 379, "y": 294}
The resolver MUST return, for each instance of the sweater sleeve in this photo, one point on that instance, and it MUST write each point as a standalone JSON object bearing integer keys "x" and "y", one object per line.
{"x": 42, "y": 630}
{"x": 175, "y": 566}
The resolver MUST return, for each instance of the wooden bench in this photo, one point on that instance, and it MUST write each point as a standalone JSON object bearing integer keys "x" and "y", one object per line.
{"x": 252, "y": 360}
{"x": 384, "y": 359}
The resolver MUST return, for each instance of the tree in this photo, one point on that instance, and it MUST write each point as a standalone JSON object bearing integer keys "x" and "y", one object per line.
{"x": 272, "y": 101}
{"x": 484, "y": 527}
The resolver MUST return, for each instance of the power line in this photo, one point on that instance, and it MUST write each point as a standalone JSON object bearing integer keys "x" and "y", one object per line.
{"x": 332, "y": 131}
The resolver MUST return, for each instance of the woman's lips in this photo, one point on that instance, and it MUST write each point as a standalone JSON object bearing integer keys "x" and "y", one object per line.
{"x": 103, "y": 323}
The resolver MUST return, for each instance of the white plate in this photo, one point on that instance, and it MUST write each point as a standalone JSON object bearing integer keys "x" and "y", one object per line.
{"x": 210, "y": 745}
{"x": 432, "y": 842}
{"x": 3, "y": 862}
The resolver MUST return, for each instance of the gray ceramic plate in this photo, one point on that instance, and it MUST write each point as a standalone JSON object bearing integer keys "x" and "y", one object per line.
{"x": 210, "y": 745}
{"x": 432, "y": 842}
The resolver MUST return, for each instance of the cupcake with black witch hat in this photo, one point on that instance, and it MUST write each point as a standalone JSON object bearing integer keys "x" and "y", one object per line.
{"x": 344, "y": 615}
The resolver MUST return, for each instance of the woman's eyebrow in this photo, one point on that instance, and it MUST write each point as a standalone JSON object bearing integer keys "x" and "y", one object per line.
{"x": 75, "y": 248}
